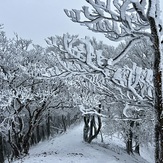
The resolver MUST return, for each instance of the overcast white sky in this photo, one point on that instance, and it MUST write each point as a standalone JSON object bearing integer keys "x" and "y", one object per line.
{"x": 39, "y": 19}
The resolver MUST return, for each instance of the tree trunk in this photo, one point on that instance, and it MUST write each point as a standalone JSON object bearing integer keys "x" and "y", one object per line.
{"x": 33, "y": 139}
{"x": 1, "y": 150}
{"x": 95, "y": 130}
{"x": 64, "y": 123}
{"x": 158, "y": 90}
{"x": 86, "y": 128}
{"x": 26, "y": 145}
{"x": 136, "y": 137}
{"x": 38, "y": 133}
{"x": 130, "y": 139}
{"x": 137, "y": 149}
{"x": 91, "y": 130}
{"x": 48, "y": 125}
{"x": 43, "y": 133}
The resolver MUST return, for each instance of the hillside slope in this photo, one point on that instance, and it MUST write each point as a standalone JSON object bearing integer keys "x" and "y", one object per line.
{"x": 69, "y": 148}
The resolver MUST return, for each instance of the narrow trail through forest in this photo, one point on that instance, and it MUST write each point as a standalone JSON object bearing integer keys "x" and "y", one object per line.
{"x": 70, "y": 148}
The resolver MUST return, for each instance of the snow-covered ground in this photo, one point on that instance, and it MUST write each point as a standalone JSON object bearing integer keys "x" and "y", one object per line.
{"x": 69, "y": 148}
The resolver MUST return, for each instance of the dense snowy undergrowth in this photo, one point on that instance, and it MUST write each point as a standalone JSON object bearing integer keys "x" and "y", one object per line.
{"x": 69, "y": 148}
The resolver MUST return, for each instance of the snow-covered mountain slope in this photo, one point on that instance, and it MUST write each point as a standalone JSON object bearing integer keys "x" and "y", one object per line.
{"x": 69, "y": 148}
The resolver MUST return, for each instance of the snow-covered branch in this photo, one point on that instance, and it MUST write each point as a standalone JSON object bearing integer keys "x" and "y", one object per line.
{"x": 122, "y": 21}
{"x": 136, "y": 80}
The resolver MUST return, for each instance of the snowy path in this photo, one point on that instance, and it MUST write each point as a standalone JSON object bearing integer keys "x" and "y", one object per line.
{"x": 69, "y": 148}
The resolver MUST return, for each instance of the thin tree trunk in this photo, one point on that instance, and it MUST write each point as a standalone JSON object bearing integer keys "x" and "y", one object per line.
{"x": 130, "y": 139}
{"x": 38, "y": 133}
{"x": 137, "y": 149}
{"x": 137, "y": 145}
{"x": 86, "y": 128}
{"x": 64, "y": 123}
{"x": 48, "y": 125}
{"x": 1, "y": 150}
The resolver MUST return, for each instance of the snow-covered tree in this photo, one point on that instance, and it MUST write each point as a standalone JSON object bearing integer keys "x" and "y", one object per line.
{"x": 132, "y": 19}
{"x": 87, "y": 98}
{"x": 26, "y": 96}
{"x": 125, "y": 82}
